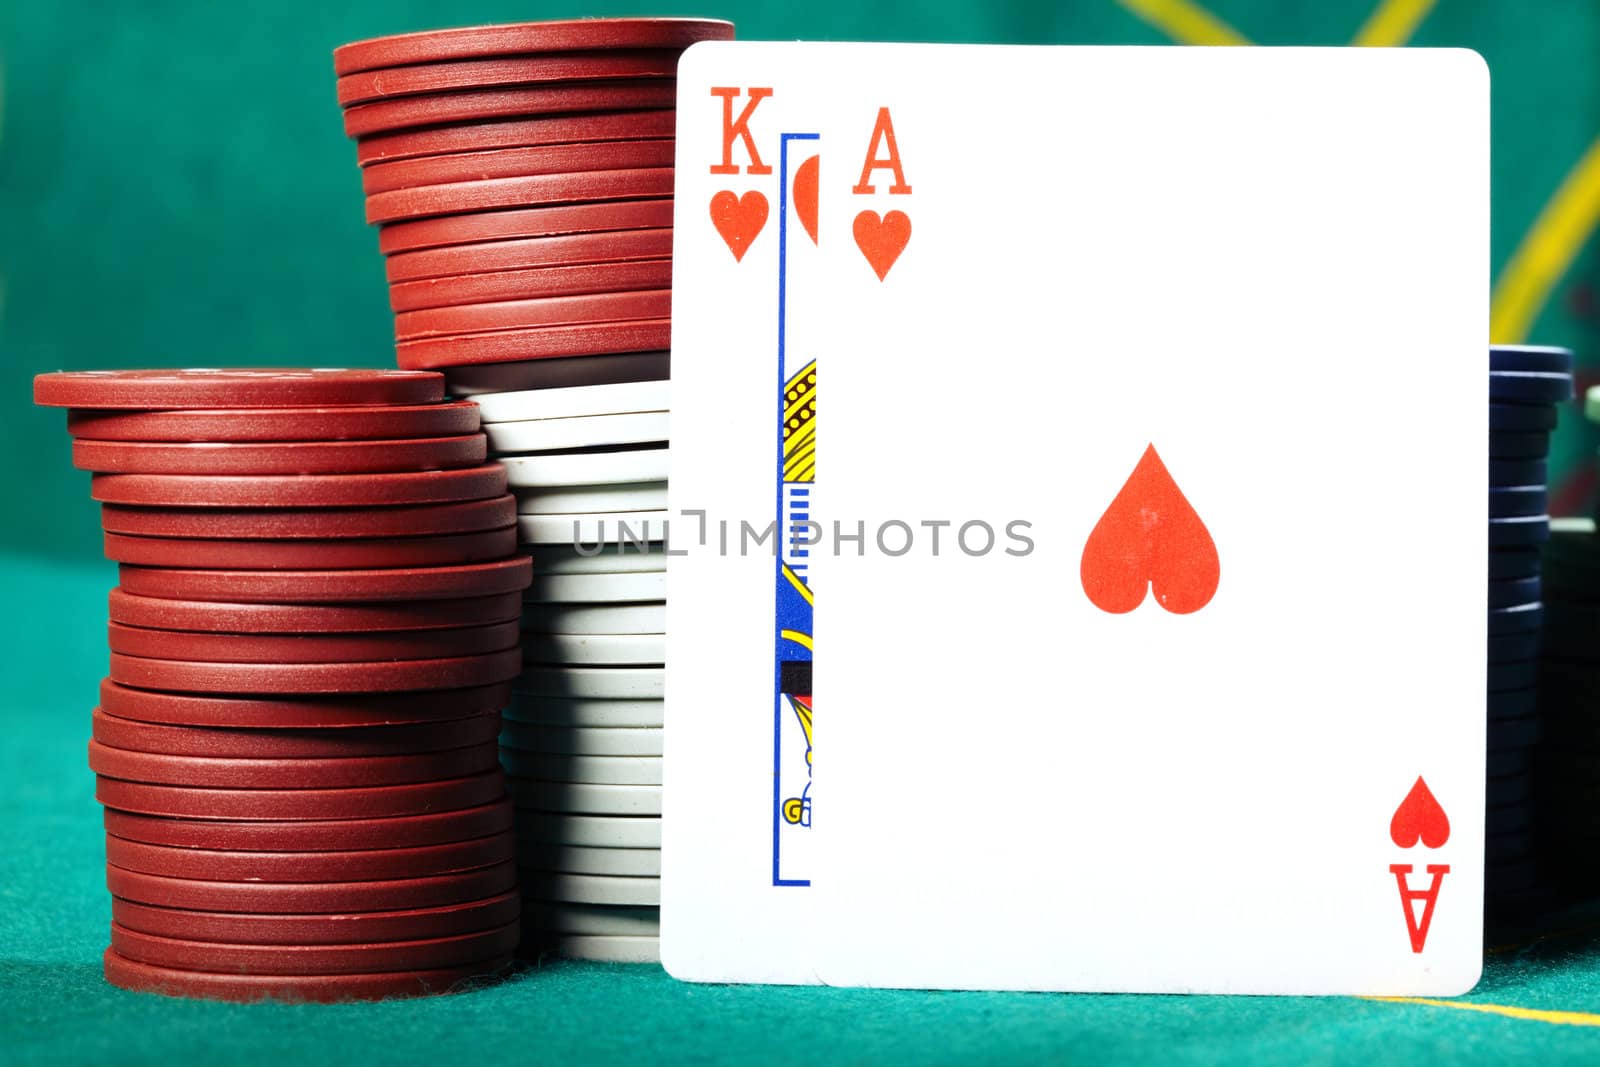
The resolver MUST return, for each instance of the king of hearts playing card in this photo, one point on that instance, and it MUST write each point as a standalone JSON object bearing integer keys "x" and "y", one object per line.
{"x": 1149, "y": 538}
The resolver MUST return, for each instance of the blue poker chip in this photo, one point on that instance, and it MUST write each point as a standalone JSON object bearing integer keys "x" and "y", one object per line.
{"x": 1510, "y": 819}
{"x": 1522, "y": 418}
{"x": 1508, "y": 445}
{"x": 1504, "y": 594}
{"x": 1520, "y": 618}
{"x": 1507, "y": 848}
{"x": 1519, "y": 532}
{"x": 1518, "y": 502}
{"x": 1536, "y": 359}
{"x": 1529, "y": 387}
{"x": 1516, "y": 877}
{"x": 1514, "y": 647}
{"x": 1509, "y": 472}
{"x": 1507, "y": 563}
{"x": 1513, "y": 704}
{"x": 1515, "y": 675}
{"x": 1506, "y": 791}
{"x": 1510, "y": 762}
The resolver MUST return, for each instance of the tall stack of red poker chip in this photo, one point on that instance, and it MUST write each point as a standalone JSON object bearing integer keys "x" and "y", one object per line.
{"x": 312, "y": 639}
{"x": 522, "y": 180}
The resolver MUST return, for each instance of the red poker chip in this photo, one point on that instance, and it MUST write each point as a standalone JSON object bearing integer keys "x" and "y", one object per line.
{"x": 215, "y": 617}
{"x": 139, "y": 977}
{"x": 373, "y": 422}
{"x": 536, "y": 283}
{"x": 608, "y": 369}
{"x": 369, "y": 802}
{"x": 217, "y": 957}
{"x": 331, "y": 587}
{"x": 505, "y": 346}
{"x": 340, "y": 712}
{"x": 242, "y": 743}
{"x": 235, "y": 388}
{"x": 340, "y": 928}
{"x": 279, "y": 457}
{"x": 506, "y": 72}
{"x": 299, "y": 490}
{"x": 563, "y": 219}
{"x": 311, "y": 648}
{"x": 188, "y": 676}
{"x": 370, "y": 865}
{"x": 474, "y": 42}
{"x": 456, "y": 198}
{"x": 468, "y": 516}
{"x": 342, "y": 553}
{"x": 334, "y": 835}
{"x": 300, "y": 898}
{"x": 476, "y": 105}
{"x": 623, "y": 246}
{"x": 528, "y": 133}
{"x": 351, "y": 772}
{"x": 525, "y": 314}
{"x": 517, "y": 162}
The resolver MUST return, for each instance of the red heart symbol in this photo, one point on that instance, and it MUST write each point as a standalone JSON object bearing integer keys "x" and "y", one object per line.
{"x": 738, "y": 219}
{"x": 1419, "y": 818}
{"x": 882, "y": 240}
{"x": 1150, "y": 538}
{"x": 805, "y": 195}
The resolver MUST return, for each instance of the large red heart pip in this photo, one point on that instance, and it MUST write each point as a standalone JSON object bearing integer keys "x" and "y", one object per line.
{"x": 1150, "y": 539}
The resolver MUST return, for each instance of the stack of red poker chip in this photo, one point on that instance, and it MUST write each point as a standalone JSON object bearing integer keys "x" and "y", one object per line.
{"x": 312, "y": 640}
{"x": 521, "y": 177}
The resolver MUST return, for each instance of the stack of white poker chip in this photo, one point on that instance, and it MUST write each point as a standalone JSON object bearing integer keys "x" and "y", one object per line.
{"x": 581, "y": 744}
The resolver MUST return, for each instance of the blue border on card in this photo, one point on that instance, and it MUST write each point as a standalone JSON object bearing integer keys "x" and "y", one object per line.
{"x": 777, "y": 647}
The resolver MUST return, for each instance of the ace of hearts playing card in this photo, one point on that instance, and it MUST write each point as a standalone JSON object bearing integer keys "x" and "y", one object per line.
{"x": 1095, "y": 439}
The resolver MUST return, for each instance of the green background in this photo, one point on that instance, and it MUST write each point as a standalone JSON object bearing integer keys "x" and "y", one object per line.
{"x": 176, "y": 190}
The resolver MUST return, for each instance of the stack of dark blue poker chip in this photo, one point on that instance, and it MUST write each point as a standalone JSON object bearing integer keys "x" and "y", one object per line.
{"x": 1568, "y": 765}
{"x": 1525, "y": 386}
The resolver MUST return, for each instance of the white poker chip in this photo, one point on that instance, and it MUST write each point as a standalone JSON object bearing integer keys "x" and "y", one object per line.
{"x": 606, "y": 683}
{"x": 565, "y": 713}
{"x": 591, "y": 888}
{"x": 627, "y": 557}
{"x": 584, "y": 770}
{"x": 591, "y": 831}
{"x": 573, "y": 402}
{"x": 595, "y": 649}
{"x": 585, "y": 798}
{"x": 582, "y": 740}
{"x": 608, "y": 948}
{"x": 602, "y": 919}
{"x": 538, "y": 435}
{"x": 588, "y": 499}
{"x": 555, "y": 469}
{"x": 604, "y": 527}
{"x": 597, "y": 588}
{"x": 571, "y": 618}
{"x": 578, "y": 859}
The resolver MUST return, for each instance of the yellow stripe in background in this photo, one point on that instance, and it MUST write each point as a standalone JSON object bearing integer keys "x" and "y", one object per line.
{"x": 1548, "y": 249}
{"x": 1392, "y": 23}
{"x": 1185, "y": 22}
{"x": 1538, "y": 1015}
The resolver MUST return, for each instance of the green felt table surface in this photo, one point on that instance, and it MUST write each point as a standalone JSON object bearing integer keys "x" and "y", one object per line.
{"x": 1543, "y": 995}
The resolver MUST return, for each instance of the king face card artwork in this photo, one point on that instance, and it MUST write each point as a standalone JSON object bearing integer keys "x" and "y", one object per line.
{"x": 745, "y": 525}
{"x": 1149, "y": 529}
